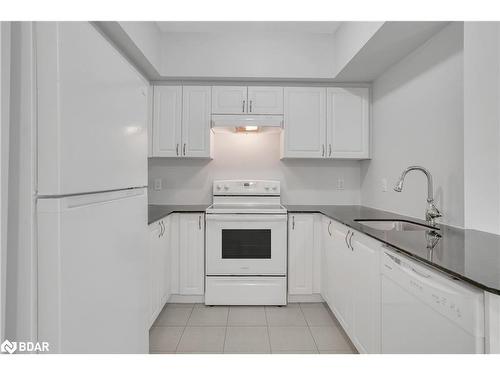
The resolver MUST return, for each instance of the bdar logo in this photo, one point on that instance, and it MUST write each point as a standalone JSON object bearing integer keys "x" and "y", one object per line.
{"x": 8, "y": 347}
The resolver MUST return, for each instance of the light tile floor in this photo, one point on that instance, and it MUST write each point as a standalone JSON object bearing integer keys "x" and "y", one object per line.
{"x": 296, "y": 328}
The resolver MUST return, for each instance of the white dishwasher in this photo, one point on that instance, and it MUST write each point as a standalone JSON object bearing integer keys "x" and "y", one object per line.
{"x": 424, "y": 311}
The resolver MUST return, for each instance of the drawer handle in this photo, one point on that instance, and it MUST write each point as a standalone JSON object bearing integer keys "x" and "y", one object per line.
{"x": 243, "y": 107}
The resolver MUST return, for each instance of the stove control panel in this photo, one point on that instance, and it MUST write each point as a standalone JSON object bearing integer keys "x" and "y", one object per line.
{"x": 246, "y": 187}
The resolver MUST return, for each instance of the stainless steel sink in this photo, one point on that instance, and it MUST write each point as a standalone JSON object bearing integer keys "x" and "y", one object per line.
{"x": 395, "y": 225}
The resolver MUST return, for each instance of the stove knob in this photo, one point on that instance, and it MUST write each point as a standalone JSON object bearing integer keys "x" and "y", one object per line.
{"x": 275, "y": 188}
{"x": 267, "y": 188}
{"x": 219, "y": 187}
{"x": 226, "y": 188}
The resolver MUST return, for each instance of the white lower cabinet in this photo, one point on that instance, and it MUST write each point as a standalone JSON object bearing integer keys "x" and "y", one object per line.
{"x": 351, "y": 283}
{"x": 300, "y": 253}
{"x": 159, "y": 260}
{"x": 367, "y": 286}
{"x": 191, "y": 253}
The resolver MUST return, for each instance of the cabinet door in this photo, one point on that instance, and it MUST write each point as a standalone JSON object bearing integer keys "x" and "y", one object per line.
{"x": 265, "y": 100}
{"x": 348, "y": 118}
{"x": 196, "y": 121}
{"x": 300, "y": 253}
{"x": 326, "y": 254}
{"x": 165, "y": 262}
{"x": 229, "y": 100}
{"x": 167, "y": 108}
{"x": 191, "y": 257}
{"x": 366, "y": 295}
{"x": 340, "y": 279}
{"x": 304, "y": 134}
{"x": 155, "y": 241}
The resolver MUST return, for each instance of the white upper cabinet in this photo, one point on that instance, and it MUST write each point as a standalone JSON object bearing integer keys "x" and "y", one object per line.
{"x": 265, "y": 100}
{"x": 167, "y": 121}
{"x": 237, "y": 100}
{"x": 348, "y": 119}
{"x": 196, "y": 121}
{"x": 181, "y": 121}
{"x": 304, "y": 134}
{"x": 229, "y": 100}
{"x": 326, "y": 123}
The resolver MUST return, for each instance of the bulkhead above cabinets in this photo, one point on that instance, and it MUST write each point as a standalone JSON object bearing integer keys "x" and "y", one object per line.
{"x": 314, "y": 122}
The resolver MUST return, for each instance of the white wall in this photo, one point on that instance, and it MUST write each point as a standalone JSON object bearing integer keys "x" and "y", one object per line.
{"x": 417, "y": 118}
{"x": 254, "y": 156}
{"x": 482, "y": 125}
{"x": 147, "y": 36}
{"x": 248, "y": 55}
{"x": 349, "y": 38}
{"x": 4, "y": 161}
{"x": 21, "y": 251}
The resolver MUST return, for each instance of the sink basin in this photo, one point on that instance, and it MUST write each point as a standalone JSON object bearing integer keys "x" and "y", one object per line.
{"x": 396, "y": 225}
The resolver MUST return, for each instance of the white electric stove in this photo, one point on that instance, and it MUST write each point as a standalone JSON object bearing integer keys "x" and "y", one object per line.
{"x": 246, "y": 244}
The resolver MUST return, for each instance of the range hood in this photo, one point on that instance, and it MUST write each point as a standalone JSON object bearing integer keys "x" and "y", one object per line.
{"x": 247, "y": 123}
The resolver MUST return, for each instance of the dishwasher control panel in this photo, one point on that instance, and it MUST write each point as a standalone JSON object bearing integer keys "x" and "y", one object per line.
{"x": 456, "y": 300}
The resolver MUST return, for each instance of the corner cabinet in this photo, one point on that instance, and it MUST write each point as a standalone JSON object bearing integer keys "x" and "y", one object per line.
{"x": 348, "y": 123}
{"x": 181, "y": 122}
{"x": 351, "y": 283}
{"x": 326, "y": 123}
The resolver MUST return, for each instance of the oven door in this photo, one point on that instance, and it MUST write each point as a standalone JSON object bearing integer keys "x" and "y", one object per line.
{"x": 246, "y": 244}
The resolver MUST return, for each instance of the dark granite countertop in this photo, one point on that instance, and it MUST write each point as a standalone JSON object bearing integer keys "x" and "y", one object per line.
{"x": 157, "y": 211}
{"x": 469, "y": 255}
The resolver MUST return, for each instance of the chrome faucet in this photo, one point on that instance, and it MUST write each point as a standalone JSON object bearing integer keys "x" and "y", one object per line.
{"x": 432, "y": 212}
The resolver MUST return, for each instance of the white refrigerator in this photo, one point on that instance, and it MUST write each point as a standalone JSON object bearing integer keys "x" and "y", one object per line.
{"x": 91, "y": 194}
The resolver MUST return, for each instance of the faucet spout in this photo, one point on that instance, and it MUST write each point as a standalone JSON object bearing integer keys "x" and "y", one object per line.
{"x": 432, "y": 211}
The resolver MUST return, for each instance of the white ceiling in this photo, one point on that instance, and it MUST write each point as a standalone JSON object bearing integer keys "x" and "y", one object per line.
{"x": 324, "y": 27}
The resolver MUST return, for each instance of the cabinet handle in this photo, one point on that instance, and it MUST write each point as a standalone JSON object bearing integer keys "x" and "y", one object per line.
{"x": 161, "y": 229}
{"x": 293, "y": 222}
{"x": 199, "y": 222}
{"x": 323, "y": 150}
{"x": 251, "y": 105}
{"x": 243, "y": 107}
{"x": 347, "y": 234}
{"x": 329, "y": 224}
{"x": 177, "y": 149}
{"x": 330, "y": 149}
{"x": 184, "y": 149}
{"x": 350, "y": 241}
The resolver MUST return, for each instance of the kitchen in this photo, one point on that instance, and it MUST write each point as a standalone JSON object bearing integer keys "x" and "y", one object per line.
{"x": 318, "y": 188}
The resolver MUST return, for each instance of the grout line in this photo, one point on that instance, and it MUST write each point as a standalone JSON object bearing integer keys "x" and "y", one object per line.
{"x": 225, "y": 332}
{"x": 267, "y": 330}
{"x": 309, "y": 328}
{"x": 184, "y": 330}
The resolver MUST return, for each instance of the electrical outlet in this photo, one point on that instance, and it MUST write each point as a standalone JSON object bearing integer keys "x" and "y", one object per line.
{"x": 157, "y": 185}
{"x": 340, "y": 183}
{"x": 384, "y": 184}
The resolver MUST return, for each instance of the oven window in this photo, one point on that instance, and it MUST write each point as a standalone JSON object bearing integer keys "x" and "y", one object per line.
{"x": 246, "y": 243}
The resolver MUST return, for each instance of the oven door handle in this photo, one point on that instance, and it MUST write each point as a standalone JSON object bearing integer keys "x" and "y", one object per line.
{"x": 246, "y": 217}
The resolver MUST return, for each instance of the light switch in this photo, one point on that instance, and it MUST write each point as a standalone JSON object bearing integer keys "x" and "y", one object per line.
{"x": 384, "y": 184}
{"x": 340, "y": 183}
{"x": 157, "y": 185}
